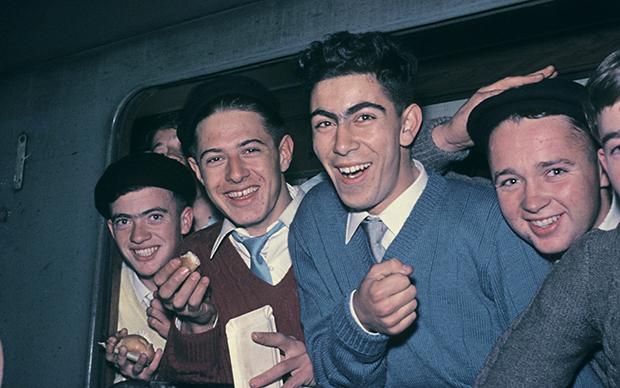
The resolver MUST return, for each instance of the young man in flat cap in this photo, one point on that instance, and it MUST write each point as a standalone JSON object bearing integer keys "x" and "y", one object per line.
{"x": 543, "y": 163}
{"x": 145, "y": 199}
{"x": 388, "y": 234}
{"x": 577, "y": 310}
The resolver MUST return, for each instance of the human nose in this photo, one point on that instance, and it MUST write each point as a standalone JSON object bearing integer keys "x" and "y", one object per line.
{"x": 345, "y": 141}
{"x": 535, "y": 198}
{"x": 236, "y": 171}
{"x": 139, "y": 232}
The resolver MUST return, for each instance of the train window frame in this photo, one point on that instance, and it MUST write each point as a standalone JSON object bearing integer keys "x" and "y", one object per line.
{"x": 449, "y": 73}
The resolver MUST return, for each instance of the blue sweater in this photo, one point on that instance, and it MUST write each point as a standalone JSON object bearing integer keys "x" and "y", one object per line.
{"x": 473, "y": 276}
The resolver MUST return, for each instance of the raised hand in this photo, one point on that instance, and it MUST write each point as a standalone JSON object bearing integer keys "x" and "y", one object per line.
{"x": 453, "y": 136}
{"x": 385, "y": 301}
{"x": 185, "y": 294}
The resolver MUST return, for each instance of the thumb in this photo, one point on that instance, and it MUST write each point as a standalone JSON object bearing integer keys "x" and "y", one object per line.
{"x": 389, "y": 267}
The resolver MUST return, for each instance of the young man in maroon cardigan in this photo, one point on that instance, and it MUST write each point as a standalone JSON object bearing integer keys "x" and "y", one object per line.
{"x": 234, "y": 138}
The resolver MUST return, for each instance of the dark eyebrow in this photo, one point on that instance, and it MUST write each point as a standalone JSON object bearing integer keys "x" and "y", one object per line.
{"x": 242, "y": 144}
{"x": 142, "y": 214}
{"x": 549, "y": 163}
{"x": 202, "y": 154}
{"x": 250, "y": 141}
{"x": 504, "y": 172}
{"x": 366, "y": 104}
{"x": 351, "y": 110}
{"x": 609, "y": 136}
{"x": 325, "y": 113}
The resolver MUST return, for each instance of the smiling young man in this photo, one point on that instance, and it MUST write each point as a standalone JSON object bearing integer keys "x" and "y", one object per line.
{"x": 406, "y": 278}
{"x": 543, "y": 163}
{"x": 234, "y": 136}
{"x": 145, "y": 199}
{"x": 576, "y": 313}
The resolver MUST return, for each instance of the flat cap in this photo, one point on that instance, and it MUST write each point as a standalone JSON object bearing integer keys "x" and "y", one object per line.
{"x": 552, "y": 96}
{"x": 203, "y": 96}
{"x": 137, "y": 171}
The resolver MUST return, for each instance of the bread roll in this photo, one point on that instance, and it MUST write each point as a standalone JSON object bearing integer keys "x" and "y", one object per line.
{"x": 136, "y": 344}
{"x": 190, "y": 260}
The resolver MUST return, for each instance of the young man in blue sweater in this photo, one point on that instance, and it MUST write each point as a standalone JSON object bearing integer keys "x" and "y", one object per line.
{"x": 405, "y": 278}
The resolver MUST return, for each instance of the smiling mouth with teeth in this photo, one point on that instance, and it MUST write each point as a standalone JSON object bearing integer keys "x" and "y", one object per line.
{"x": 241, "y": 194}
{"x": 145, "y": 252}
{"x": 545, "y": 223}
{"x": 353, "y": 171}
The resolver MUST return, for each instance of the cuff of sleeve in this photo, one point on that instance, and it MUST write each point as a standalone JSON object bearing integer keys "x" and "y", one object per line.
{"x": 354, "y": 336}
{"x": 354, "y": 315}
{"x": 190, "y": 352}
{"x": 433, "y": 156}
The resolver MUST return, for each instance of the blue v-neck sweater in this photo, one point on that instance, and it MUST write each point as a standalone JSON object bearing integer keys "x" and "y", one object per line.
{"x": 472, "y": 273}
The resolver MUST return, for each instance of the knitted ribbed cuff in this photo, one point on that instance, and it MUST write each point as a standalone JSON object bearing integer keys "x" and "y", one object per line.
{"x": 354, "y": 337}
{"x": 425, "y": 150}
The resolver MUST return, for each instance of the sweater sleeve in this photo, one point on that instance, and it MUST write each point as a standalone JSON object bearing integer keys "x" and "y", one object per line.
{"x": 426, "y": 151}
{"x": 341, "y": 352}
{"x": 194, "y": 358}
{"x": 549, "y": 343}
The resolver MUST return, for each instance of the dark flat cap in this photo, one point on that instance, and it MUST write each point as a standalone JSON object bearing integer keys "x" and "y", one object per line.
{"x": 553, "y": 96}
{"x": 203, "y": 96}
{"x": 138, "y": 171}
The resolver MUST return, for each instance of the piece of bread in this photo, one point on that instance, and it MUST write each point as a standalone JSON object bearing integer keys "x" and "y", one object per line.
{"x": 136, "y": 345}
{"x": 190, "y": 260}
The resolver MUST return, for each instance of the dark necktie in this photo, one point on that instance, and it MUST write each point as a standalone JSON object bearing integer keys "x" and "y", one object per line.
{"x": 254, "y": 245}
{"x": 375, "y": 230}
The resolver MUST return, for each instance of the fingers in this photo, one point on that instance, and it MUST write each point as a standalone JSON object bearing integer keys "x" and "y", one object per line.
{"x": 391, "y": 287}
{"x": 166, "y": 271}
{"x": 385, "y": 301}
{"x": 173, "y": 283}
{"x": 158, "y": 320}
{"x": 298, "y": 366}
{"x": 289, "y": 345}
{"x": 197, "y": 296}
{"x": 389, "y": 267}
{"x": 515, "y": 81}
{"x": 148, "y": 372}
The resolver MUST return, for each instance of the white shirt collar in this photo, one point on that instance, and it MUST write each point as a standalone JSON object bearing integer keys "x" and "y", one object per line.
{"x": 286, "y": 218}
{"x": 395, "y": 215}
{"x": 613, "y": 215}
{"x": 144, "y": 295}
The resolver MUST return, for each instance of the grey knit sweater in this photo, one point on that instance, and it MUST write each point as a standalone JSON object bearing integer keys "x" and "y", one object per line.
{"x": 575, "y": 313}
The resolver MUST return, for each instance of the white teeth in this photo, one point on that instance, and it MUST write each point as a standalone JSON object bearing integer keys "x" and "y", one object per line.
{"x": 242, "y": 193}
{"x": 146, "y": 251}
{"x": 546, "y": 222}
{"x": 353, "y": 169}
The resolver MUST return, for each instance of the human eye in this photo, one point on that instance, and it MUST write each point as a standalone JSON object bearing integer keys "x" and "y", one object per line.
{"x": 506, "y": 182}
{"x": 121, "y": 222}
{"x": 322, "y": 124}
{"x": 365, "y": 117}
{"x": 212, "y": 160}
{"x": 612, "y": 148}
{"x": 555, "y": 171}
{"x": 251, "y": 150}
{"x": 156, "y": 217}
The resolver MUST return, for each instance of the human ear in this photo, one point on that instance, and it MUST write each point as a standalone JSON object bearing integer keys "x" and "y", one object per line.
{"x": 602, "y": 168}
{"x": 411, "y": 121}
{"x": 286, "y": 152}
{"x": 194, "y": 166}
{"x": 187, "y": 218}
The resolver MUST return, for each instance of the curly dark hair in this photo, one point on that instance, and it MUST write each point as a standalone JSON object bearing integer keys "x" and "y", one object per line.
{"x": 376, "y": 53}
